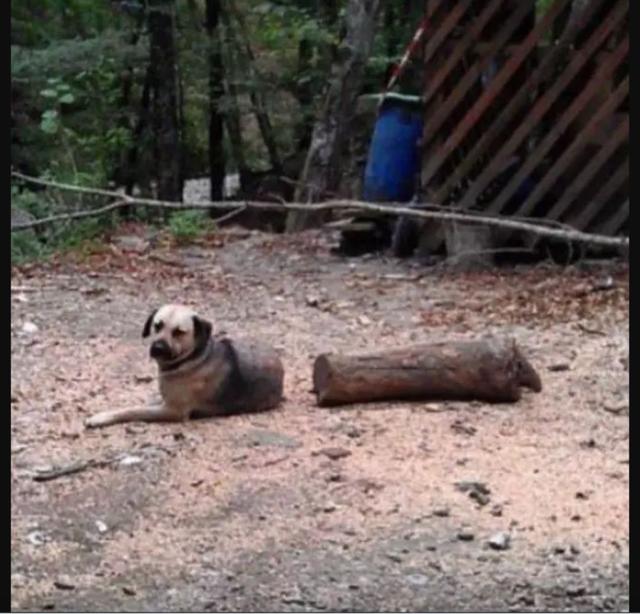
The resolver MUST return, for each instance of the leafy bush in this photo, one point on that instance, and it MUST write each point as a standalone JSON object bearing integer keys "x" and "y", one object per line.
{"x": 188, "y": 225}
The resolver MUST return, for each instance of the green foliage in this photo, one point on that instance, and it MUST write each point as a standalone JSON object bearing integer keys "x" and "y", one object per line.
{"x": 71, "y": 61}
{"x": 542, "y": 6}
{"x": 27, "y": 245}
{"x": 185, "y": 226}
{"x": 36, "y": 24}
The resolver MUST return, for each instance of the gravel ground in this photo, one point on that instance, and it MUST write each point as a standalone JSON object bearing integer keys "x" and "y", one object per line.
{"x": 363, "y": 508}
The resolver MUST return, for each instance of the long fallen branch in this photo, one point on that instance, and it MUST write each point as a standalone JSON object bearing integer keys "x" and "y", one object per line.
{"x": 122, "y": 200}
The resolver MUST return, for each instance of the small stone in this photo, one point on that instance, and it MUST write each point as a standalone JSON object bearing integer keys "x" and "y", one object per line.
{"x": 354, "y": 432}
{"x": 417, "y": 579}
{"x": 329, "y": 507}
{"x": 617, "y": 410}
{"x": 496, "y": 510}
{"x": 101, "y": 526}
{"x": 64, "y": 585}
{"x": 479, "y": 497}
{"x": 465, "y": 535}
{"x": 334, "y": 477}
{"x": 575, "y": 591}
{"x": 262, "y": 437}
{"x": 128, "y": 591}
{"x": 433, "y": 407}
{"x": 468, "y": 485}
{"x": 129, "y": 460}
{"x": 394, "y": 556}
{"x": 561, "y": 366}
{"x": 441, "y": 512}
{"x": 37, "y": 538}
{"x": 461, "y": 427}
{"x": 478, "y": 491}
{"x": 30, "y": 328}
{"x": 573, "y": 568}
{"x": 131, "y": 243}
{"x": 312, "y": 301}
{"x": 335, "y": 453}
{"x": 500, "y": 541}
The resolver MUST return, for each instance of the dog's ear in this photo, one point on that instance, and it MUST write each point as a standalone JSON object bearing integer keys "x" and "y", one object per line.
{"x": 201, "y": 328}
{"x": 146, "y": 331}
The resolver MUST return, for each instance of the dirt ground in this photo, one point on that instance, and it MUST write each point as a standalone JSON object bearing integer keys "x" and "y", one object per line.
{"x": 309, "y": 509}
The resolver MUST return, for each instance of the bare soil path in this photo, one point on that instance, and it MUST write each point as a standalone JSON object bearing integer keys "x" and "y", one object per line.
{"x": 308, "y": 509}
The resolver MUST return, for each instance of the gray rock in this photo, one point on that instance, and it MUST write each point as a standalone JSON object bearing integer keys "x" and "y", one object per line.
{"x": 19, "y": 217}
{"x": 263, "y": 437}
{"x": 335, "y": 453}
{"x": 417, "y": 579}
{"x": 478, "y": 491}
{"x": 465, "y": 535}
{"x": 131, "y": 243}
{"x": 500, "y": 541}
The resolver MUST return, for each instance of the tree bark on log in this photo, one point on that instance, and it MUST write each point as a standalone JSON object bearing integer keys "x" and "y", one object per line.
{"x": 489, "y": 369}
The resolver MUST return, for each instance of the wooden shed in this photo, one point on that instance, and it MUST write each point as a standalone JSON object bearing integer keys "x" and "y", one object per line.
{"x": 527, "y": 113}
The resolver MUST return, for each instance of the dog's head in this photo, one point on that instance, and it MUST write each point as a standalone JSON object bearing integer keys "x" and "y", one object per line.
{"x": 176, "y": 331}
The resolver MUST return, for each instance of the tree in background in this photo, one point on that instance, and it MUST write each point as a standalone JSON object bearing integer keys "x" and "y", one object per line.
{"x": 216, "y": 94}
{"x": 322, "y": 171}
{"x": 164, "y": 98}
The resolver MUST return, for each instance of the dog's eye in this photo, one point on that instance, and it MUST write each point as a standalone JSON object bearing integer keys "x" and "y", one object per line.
{"x": 177, "y": 332}
{"x": 158, "y": 326}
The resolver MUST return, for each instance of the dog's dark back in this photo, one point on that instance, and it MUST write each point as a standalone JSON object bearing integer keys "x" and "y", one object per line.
{"x": 255, "y": 381}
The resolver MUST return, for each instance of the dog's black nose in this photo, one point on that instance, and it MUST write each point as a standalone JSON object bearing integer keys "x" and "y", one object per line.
{"x": 160, "y": 349}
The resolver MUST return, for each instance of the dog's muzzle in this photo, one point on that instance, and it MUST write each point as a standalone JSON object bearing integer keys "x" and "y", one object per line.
{"x": 160, "y": 350}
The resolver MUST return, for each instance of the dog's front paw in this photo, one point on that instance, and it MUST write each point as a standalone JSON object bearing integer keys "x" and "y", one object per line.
{"x": 98, "y": 420}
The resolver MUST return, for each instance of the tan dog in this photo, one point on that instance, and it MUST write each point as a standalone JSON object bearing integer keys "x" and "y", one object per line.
{"x": 200, "y": 375}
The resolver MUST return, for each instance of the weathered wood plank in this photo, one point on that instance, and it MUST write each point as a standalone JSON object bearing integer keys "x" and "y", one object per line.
{"x": 568, "y": 156}
{"x": 538, "y": 111}
{"x": 476, "y": 112}
{"x": 485, "y": 144}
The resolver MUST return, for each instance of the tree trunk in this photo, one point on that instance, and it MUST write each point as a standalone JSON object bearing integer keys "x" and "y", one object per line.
{"x": 216, "y": 92}
{"x": 232, "y": 116}
{"x": 241, "y": 41}
{"x": 132, "y": 171}
{"x": 321, "y": 174}
{"x": 164, "y": 102}
{"x": 489, "y": 369}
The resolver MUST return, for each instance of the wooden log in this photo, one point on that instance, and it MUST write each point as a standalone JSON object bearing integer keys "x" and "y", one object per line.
{"x": 489, "y": 369}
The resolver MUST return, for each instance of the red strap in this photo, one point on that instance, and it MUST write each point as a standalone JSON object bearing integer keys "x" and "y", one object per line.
{"x": 411, "y": 48}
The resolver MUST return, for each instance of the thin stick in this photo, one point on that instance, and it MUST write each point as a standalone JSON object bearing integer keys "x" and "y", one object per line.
{"x": 71, "y": 468}
{"x": 343, "y": 204}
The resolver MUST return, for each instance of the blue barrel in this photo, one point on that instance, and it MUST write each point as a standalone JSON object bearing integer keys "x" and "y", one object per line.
{"x": 394, "y": 158}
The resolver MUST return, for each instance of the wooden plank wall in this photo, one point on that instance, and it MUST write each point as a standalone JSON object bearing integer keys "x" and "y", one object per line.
{"x": 527, "y": 111}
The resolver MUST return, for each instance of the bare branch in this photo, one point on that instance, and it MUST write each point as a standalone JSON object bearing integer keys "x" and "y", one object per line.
{"x": 427, "y": 211}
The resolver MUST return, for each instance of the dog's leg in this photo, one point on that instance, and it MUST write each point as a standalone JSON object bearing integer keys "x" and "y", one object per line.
{"x": 133, "y": 414}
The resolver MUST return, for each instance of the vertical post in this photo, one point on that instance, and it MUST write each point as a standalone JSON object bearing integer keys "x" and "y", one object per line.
{"x": 164, "y": 103}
